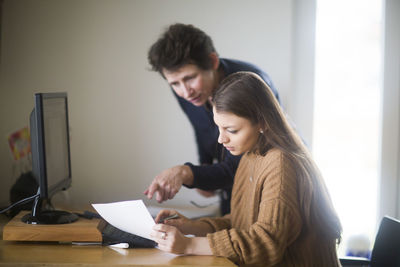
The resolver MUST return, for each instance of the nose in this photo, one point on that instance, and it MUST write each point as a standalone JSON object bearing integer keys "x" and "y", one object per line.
{"x": 222, "y": 139}
{"x": 187, "y": 91}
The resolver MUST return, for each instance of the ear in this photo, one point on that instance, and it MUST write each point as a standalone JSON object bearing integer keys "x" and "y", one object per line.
{"x": 215, "y": 60}
{"x": 262, "y": 128}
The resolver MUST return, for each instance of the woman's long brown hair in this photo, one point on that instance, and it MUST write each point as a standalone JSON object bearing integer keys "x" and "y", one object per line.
{"x": 246, "y": 95}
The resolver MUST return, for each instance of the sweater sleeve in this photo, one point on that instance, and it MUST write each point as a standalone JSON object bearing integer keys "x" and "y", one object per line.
{"x": 218, "y": 224}
{"x": 277, "y": 226}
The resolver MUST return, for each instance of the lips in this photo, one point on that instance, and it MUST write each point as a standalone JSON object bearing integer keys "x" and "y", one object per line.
{"x": 195, "y": 99}
{"x": 230, "y": 148}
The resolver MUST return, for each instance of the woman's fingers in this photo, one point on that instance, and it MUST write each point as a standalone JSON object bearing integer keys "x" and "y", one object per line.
{"x": 163, "y": 214}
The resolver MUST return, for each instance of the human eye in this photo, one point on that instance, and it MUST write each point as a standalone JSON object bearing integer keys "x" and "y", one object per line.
{"x": 174, "y": 84}
{"x": 191, "y": 77}
{"x": 232, "y": 131}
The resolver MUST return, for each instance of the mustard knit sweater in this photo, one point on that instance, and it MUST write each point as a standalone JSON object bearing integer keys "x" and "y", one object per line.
{"x": 265, "y": 227}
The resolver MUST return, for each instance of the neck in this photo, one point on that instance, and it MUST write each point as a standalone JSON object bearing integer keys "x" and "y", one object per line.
{"x": 219, "y": 75}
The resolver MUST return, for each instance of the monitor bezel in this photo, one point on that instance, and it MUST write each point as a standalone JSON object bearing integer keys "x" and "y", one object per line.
{"x": 45, "y": 191}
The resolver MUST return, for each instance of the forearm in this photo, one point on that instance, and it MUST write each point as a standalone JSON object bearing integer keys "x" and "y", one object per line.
{"x": 198, "y": 246}
{"x": 201, "y": 228}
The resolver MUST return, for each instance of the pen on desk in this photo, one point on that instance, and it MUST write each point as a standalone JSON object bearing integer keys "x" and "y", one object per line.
{"x": 119, "y": 245}
{"x": 169, "y": 217}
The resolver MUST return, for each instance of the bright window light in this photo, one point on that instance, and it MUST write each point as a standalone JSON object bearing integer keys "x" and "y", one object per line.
{"x": 347, "y": 108}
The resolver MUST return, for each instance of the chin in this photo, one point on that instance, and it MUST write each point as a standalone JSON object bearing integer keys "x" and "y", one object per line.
{"x": 198, "y": 104}
{"x": 235, "y": 153}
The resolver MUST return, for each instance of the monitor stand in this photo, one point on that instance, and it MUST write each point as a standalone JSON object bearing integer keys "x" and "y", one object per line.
{"x": 49, "y": 215}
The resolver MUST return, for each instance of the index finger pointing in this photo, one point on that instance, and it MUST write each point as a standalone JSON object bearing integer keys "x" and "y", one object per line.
{"x": 151, "y": 190}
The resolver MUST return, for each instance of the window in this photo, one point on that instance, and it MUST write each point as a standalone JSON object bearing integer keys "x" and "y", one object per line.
{"x": 347, "y": 99}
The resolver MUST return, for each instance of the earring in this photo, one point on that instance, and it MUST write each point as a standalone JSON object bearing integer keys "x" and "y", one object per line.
{"x": 261, "y": 131}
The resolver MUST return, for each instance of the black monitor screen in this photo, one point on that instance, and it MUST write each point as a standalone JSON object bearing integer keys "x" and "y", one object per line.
{"x": 56, "y": 142}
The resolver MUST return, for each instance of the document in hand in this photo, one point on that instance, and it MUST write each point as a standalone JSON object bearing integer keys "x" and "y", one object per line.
{"x": 130, "y": 216}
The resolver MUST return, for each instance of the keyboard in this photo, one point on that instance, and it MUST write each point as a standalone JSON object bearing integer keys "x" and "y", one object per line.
{"x": 112, "y": 235}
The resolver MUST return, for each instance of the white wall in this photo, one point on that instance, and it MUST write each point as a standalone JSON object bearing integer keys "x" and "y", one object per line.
{"x": 125, "y": 124}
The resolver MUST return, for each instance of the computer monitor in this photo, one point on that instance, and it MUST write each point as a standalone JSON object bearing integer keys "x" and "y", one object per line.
{"x": 51, "y": 158}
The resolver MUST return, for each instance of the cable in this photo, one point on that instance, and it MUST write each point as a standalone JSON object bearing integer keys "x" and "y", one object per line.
{"x": 22, "y": 201}
{"x": 203, "y": 206}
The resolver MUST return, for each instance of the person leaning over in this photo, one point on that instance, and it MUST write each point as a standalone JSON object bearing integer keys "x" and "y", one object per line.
{"x": 186, "y": 58}
{"x": 281, "y": 211}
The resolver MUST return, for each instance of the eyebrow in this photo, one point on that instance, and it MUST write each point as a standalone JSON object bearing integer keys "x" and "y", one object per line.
{"x": 185, "y": 78}
{"x": 229, "y": 126}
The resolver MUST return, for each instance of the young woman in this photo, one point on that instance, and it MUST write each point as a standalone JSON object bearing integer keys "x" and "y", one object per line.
{"x": 281, "y": 212}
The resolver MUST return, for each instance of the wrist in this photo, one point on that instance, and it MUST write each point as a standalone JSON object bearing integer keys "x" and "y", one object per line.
{"x": 198, "y": 246}
{"x": 187, "y": 175}
{"x": 189, "y": 250}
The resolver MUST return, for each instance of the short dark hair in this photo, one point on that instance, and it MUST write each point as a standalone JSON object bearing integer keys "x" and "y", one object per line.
{"x": 179, "y": 45}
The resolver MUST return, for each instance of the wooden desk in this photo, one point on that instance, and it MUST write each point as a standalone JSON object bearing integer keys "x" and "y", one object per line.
{"x": 14, "y": 253}
{"x": 81, "y": 230}
{"x": 18, "y": 253}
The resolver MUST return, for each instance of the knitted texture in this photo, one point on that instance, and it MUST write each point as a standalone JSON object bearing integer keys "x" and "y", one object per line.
{"x": 266, "y": 227}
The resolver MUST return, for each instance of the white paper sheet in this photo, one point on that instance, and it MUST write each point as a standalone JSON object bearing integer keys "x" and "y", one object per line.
{"x": 130, "y": 216}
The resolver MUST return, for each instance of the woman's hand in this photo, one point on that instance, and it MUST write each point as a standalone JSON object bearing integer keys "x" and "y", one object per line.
{"x": 170, "y": 239}
{"x": 183, "y": 224}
